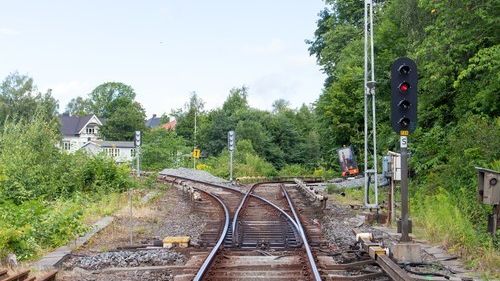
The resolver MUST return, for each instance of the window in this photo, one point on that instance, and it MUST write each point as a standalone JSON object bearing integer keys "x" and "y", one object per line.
{"x": 132, "y": 152}
{"x": 113, "y": 152}
{"x": 66, "y": 145}
{"x": 90, "y": 130}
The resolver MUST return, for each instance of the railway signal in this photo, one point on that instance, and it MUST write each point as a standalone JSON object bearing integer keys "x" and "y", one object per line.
{"x": 137, "y": 138}
{"x": 231, "y": 138}
{"x": 404, "y": 78}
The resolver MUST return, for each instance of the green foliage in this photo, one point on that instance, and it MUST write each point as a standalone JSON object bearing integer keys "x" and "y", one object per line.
{"x": 162, "y": 149}
{"x": 294, "y": 170}
{"x": 456, "y": 47}
{"x": 31, "y": 166}
{"x": 186, "y": 118}
{"x": 246, "y": 163}
{"x": 124, "y": 121}
{"x": 105, "y": 98}
{"x": 283, "y": 136}
{"x": 20, "y": 99}
{"x": 114, "y": 102}
{"x": 41, "y": 187}
{"x": 439, "y": 218}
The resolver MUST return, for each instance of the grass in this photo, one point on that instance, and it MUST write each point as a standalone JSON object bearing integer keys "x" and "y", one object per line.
{"x": 354, "y": 195}
{"x": 439, "y": 220}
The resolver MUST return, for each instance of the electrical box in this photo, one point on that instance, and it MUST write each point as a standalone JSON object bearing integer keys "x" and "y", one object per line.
{"x": 488, "y": 186}
{"x": 394, "y": 165}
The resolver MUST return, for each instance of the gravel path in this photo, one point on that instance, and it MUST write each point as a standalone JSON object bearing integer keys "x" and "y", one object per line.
{"x": 86, "y": 275}
{"x": 194, "y": 174}
{"x": 154, "y": 257}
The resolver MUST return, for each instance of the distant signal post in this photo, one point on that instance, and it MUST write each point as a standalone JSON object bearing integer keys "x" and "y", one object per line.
{"x": 231, "y": 138}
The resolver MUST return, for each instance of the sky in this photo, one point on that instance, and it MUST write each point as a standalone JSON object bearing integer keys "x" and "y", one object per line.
{"x": 165, "y": 49}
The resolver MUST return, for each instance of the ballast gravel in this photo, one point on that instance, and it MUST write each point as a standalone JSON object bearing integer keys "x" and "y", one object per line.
{"x": 87, "y": 275}
{"x": 154, "y": 257}
{"x": 194, "y": 174}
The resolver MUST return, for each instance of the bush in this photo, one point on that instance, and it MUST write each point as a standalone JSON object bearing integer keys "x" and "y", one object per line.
{"x": 246, "y": 163}
{"x": 42, "y": 189}
{"x": 294, "y": 170}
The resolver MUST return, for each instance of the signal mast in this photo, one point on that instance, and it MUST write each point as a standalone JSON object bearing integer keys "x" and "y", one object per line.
{"x": 369, "y": 93}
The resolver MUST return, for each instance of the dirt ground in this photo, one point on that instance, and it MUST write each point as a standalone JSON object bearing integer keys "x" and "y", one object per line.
{"x": 167, "y": 214}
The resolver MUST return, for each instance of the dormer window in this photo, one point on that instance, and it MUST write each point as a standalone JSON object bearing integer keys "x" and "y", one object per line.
{"x": 90, "y": 130}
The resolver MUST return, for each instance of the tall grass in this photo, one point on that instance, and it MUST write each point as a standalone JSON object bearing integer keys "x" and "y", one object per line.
{"x": 439, "y": 219}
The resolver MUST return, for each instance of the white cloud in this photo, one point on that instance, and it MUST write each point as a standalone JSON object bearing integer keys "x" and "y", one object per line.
{"x": 8, "y": 31}
{"x": 273, "y": 47}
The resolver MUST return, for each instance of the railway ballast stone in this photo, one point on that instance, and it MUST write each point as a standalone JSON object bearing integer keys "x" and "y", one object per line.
{"x": 156, "y": 257}
{"x": 194, "y": 174}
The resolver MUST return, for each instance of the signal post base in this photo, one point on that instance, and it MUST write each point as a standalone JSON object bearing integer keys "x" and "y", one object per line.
{"x": 407, "y": 252}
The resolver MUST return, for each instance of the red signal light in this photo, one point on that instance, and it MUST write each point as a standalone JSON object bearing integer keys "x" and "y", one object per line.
{"x": 404, "y": 87}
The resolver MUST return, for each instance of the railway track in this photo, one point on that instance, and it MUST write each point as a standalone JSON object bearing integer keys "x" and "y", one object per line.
{"x": 262, "y": 223}
{"x": 257, "y": 233}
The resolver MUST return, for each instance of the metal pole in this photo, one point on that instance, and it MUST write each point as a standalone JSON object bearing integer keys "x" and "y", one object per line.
{"x": 393, "y": 212}
{"x": 372, "y": 92}
{"x": 194, "y": 141}
{"x": 130, "y": 215}
{"x": 138, "y": 174}
{"x": 405, "y": 224}
{"x": 366, "y": 105}
{"x": 231, "y": 166}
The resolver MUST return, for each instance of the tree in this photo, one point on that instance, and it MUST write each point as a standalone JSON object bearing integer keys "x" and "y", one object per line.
{"x": 281, "y": 105}
{"x": 107, "y": 97}
{"x": 123, "y": 122}
{"x": 186, "y": 118}
{"x": 236, "y": 101}
{"x": 162, "y": 149}
{"x": 20, "y": 99}
{"x": 79, "y": 106}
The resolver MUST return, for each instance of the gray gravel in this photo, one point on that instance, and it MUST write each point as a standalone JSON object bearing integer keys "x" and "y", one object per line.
{"x": 143, "y": 275}
{"x": 193, "y": 174}
{"x": 154, "y": 257}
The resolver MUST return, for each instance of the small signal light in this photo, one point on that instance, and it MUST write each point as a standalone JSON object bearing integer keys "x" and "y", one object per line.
{"x": 404, "y": 122}
{"x": 404, "y": 104}
{"x": 404, "y": 87}
{"x": 404, "y": 69}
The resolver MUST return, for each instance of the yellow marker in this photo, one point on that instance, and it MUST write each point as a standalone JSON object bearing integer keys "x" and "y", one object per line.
{"x": 404, "y": 133}
{"x": 196, "y": 153}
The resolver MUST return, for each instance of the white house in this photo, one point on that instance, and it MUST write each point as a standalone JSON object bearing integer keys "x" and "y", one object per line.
{"x": 83, "y": 132}
{"x": 121, "y": 151}
{"x": 78, "y": 130}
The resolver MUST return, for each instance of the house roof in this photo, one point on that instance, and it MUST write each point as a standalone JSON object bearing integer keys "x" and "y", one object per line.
{"x": 153, "y": 122}
{"x": 72, "y": 125}
{"x": 170, "y": 125}
{"x": 112, "y": 144}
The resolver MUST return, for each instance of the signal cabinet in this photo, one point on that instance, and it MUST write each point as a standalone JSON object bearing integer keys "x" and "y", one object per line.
{"x": 488, "y": 186}
{"x": 391, "y": 166}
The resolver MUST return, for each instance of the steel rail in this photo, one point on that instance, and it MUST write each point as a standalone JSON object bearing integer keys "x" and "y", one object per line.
{"x": 208, "y": 261}
{"x": 296, "y": 223}
{"x": 244, "y": 200}
{"x": 240, "y": 206}
{"x": 312, "y": 263}
{"x": 239, "y": 191}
